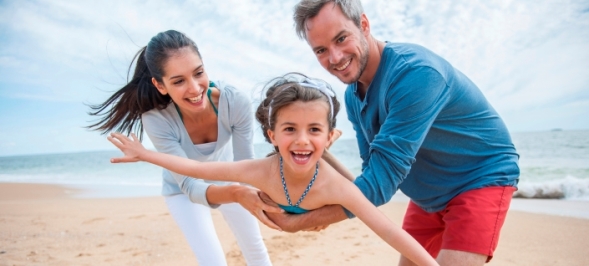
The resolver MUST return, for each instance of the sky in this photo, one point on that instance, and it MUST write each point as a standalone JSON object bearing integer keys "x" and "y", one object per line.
{"x": 529, "y": 58}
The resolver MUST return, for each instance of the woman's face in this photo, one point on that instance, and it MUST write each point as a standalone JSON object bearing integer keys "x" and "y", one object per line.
{"x": 186, "y": 81}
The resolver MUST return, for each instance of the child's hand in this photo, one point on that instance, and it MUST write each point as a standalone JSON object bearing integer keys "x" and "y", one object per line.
{"x": 131, "y": 148}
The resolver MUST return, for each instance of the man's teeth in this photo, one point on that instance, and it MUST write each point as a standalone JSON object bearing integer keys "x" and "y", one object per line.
{"x": 195, "y": 99}
{"x": 344, "y": 66}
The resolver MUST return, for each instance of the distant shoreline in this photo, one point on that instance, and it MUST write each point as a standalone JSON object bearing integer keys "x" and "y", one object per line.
{"x": 259, "y": 142}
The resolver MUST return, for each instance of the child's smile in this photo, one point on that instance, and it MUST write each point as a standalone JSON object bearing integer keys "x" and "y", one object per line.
{"x": 301, "y": 134}
{"x": 301, "y": 157}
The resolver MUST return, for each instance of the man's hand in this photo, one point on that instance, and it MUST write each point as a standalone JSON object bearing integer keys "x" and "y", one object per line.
{"x": 316, "y": 228}
{"x": 293, "y": 223}
{"x": 315, "y": 220}
{"x": 286, "y": 222}
{"x": 251, "y": 199}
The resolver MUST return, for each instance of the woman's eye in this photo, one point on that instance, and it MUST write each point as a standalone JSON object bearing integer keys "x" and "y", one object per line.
{"x": 198, "y": 74}
{"x": 178, "y": 82}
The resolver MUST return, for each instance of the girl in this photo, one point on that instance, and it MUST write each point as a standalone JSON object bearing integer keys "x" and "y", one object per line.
{"x": 186, "y": 115}
{"x": 298, "y": 118}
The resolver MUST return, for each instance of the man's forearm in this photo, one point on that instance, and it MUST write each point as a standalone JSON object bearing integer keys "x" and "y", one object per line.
{"x": 296, "y": 222}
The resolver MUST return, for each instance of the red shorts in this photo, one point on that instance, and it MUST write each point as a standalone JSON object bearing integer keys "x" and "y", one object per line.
{"x": 470, "y": 222}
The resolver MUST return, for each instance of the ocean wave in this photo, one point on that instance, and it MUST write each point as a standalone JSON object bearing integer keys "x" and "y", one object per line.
{"x": 570, "y": 188}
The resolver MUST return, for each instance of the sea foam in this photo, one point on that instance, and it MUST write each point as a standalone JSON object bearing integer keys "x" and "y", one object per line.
{"x": 570, "y": 188}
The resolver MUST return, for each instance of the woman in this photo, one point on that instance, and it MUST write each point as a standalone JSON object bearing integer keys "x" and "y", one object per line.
{"x": 187, "y": 115}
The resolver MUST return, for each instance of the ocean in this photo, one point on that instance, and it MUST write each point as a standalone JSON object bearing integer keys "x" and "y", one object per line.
{"x": 554, "y": 164}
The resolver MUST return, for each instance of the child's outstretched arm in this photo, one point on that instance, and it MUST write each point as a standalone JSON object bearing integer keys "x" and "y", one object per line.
{"x": 393, "y": 234}
{"x": 242, "y": 171}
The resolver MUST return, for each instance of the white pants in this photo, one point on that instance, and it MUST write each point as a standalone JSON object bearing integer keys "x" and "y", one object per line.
{"x": 196, "y": 223}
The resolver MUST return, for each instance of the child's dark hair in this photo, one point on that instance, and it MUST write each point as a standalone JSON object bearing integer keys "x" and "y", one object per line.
{"x": 122, "y": 111}
{"x": 292, "y": 87}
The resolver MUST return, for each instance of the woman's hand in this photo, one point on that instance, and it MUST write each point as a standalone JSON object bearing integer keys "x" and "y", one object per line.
{"x": 258, "y": 203}
{"x": 131, "y": 148}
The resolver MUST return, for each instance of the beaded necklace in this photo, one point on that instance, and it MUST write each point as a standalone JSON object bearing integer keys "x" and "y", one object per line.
{"x": 306, "y": 190}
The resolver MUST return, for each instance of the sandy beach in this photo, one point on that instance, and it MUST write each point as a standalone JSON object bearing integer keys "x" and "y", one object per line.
{"x": 46, "y": 225}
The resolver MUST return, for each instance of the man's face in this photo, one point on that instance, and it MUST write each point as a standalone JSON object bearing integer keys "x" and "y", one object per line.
{"x": 340, "y": 46}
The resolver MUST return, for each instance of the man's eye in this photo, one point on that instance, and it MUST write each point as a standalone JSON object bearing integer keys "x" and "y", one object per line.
{"x": 341, "y": 39}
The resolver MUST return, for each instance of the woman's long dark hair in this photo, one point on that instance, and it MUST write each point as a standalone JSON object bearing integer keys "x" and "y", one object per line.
{"x": 122, "y": 111}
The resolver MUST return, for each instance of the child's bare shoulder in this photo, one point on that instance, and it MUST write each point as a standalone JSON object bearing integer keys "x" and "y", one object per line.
{"x": 265, "y": 165}
{"x": 334, "y": 185}
{"x": 331, "y": 172}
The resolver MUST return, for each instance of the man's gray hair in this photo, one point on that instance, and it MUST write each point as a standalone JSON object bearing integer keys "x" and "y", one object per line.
{"x": 307, "y": 9}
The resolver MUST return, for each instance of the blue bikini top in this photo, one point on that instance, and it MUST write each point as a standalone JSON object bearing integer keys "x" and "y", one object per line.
{"x": 293, "y": 209}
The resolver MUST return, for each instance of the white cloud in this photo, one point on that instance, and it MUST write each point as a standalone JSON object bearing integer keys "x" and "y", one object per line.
{"x": 523, "y": 55}
{"x": 528, "y": 58}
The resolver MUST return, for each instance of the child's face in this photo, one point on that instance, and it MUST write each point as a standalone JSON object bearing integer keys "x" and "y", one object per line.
{"x": 301, "y": 134}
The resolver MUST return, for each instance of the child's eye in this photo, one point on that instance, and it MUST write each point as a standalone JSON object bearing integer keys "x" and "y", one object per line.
{"x": 289, "y": 129}
{"x": 315, "y": 129}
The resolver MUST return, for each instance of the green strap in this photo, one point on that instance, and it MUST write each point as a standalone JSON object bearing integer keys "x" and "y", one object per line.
{"x": 211, "y": 85}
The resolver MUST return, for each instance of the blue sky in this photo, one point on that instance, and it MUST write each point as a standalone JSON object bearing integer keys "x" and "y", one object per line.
{"x": 530, "y": 58}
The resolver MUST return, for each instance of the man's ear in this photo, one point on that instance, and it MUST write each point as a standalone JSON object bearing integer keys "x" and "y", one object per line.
{"x": 365, "y": 25}
{"x": 160, "y": 87}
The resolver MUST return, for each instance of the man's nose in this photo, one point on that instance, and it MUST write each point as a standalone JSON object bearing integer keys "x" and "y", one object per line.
{"x": 335, "y": 56}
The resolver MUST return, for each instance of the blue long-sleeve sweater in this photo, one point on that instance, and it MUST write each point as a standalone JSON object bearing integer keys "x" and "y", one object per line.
{"x": 425, "y": 128}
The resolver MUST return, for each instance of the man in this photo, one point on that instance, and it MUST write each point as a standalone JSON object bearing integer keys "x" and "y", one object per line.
{"x": 422, "y": 127}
